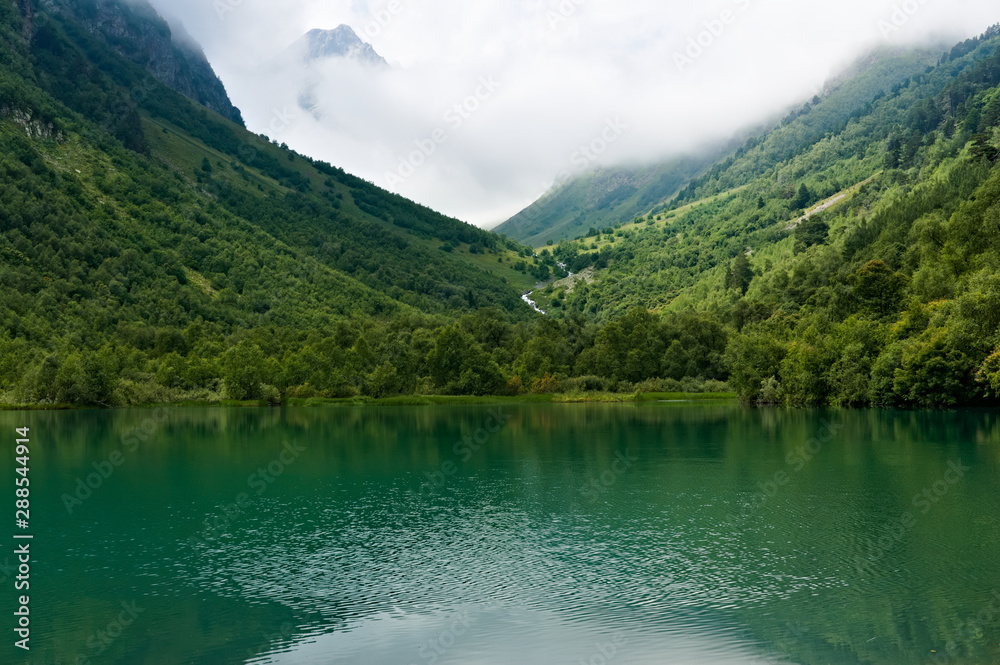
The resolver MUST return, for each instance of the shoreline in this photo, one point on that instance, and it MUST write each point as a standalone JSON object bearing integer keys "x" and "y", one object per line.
{"x": 408, "y": 400}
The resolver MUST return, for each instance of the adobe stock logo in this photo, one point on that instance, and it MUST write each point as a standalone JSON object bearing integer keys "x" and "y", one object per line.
{"x": 381, "y": 19}
{"x": 901, "y": 15}
{"x": 455, "y": 117}
{"x": 605, "y": 653}
{"x": 566, "y": 10}
{"x": 223, "y": 8}
{"x": 582, "y": 157}
{"x": 714, "y": 29}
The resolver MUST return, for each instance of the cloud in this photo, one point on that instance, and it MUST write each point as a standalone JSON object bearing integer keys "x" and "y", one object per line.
{"x": 677, "y": 74}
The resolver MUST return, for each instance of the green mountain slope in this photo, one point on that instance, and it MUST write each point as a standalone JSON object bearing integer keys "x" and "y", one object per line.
{"x": 304, "y": 195}
{"x": 603, "y": 197}
{"x": 137, "y": 222}
{"x": 151, "y": 250}
{"x": 887, "y": 296}
{"x": 608, "y": 197}
{"x": 135, "y": 31}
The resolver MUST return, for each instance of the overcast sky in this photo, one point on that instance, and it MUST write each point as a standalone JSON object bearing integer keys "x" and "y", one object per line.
{"x": 536, "y": 80}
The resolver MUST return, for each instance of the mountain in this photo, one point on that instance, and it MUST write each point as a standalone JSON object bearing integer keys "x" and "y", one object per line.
{"x": 143, "y": 235}
{"x": 303, "y": 60}
{"x": 850, "y": 255}
{"x": 603, "y": 197}
{"x": 341, "y": 42}
{"x": 135, "y": 31}
{"x": 607, "y": 197}
{"x": 152, "y": 250}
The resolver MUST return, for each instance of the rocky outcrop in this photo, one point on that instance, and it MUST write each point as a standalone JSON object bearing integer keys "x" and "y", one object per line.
{"x": 28, "y": 16}
{"x": 138, "y": 33}
{"x": 32, "y": 126}
{"x": 341, "y": 42}
{"x": 321, "y": 46}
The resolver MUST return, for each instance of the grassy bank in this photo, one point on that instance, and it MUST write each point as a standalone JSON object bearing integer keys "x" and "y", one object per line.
{"x": 553, "y": 398}
{"x": 425, "y": 400}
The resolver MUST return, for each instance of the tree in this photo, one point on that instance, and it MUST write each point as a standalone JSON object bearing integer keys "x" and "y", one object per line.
{"x": 44, "y": 383}
{"x": 934, "y": 373}
{"x": 445, "y": 360}
{"x": 540, "y": 356}
{"x": 989, "y": 373}
{"x": 802, "y": 198}
{"x": 878, "y": 289}
{"x": 459, "y": 365}
{"x": 741, "y": 275}
{"x": 812, "y": 231}
{"x": 383, "y": 381}
{"x": 243, "y": 371}
{"x": 850, "y": 376}
{"x": 677, "y": 362}
{"x": 882, "y": 389}
{"x": 804, "y": 374}
{"x": 697, "y": 344}
{"x": 858, "y": 343}
{"x": 754, "y": 357}
{"x": 629, "y": 348}
{"x": 893, "y": 153}
{"x": 481, "y": 376}
{"x": 982, "y": 149}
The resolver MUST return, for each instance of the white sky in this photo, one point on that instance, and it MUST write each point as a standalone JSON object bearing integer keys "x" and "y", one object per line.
{"x": 560, "y": 71}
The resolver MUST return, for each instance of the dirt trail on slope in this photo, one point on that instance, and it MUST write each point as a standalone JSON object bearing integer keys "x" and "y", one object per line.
{"x": 827, "y": 204}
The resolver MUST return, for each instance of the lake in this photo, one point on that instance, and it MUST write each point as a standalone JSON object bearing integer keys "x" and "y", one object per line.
{"x": 552, "y": 534}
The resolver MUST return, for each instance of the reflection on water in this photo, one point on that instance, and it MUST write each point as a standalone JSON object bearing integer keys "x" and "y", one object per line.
{"x": 535, "y": 534}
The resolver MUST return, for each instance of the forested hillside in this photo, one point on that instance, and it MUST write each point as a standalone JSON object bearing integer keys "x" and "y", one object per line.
{"x": 603, "y": 197}
{"x": 155, "y": 251}
{"x": 888, "y": 294}
{"x": 135, "y": 31}
{"x": 609, "y": 196}
{"x": 138, "y": 226}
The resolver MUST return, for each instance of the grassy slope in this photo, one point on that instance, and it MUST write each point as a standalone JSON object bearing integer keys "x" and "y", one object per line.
{"x": 379, "y": 239}
{"x": 186, "y": 153}
{"x": 611, "y": 197}
{"x": 604, "y": 197}
{"x": 678, "y": 258}
{"x": 887, "y": 297}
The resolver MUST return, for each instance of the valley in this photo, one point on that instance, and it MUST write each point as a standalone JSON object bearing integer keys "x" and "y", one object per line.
{"x": 735, "y": 402}
{"x": 155, "y": 252}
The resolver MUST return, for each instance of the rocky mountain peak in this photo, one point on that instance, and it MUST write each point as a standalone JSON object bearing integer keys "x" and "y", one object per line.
{"x": 341, "y": 42}
{"x": 138, "y": 33}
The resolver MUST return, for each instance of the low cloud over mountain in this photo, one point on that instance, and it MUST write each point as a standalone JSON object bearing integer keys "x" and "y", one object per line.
{"x": 678, "y": 74}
